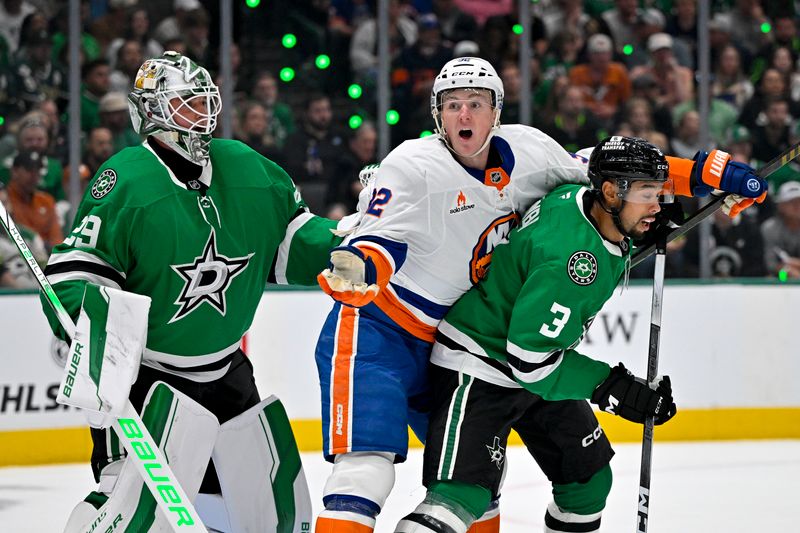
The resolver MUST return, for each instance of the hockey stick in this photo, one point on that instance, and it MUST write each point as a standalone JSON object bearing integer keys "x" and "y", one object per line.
{"x": 142, "y": 449}
{"x": 710, "y": 208}
{"x": 643, "y": 509}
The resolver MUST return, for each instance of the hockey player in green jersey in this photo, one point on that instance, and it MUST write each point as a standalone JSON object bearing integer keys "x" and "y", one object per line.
{"x": 199, "y": 225}
{"x": 505, "y": 354}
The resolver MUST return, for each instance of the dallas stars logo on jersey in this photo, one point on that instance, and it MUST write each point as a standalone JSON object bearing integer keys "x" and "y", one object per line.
{"x": 206, "y": 279}
{"x": 582, "y": 268}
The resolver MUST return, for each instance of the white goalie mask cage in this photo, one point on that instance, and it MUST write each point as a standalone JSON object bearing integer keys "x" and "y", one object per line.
{"x": 176, "y": 100}
{"x": 466, "y": 73}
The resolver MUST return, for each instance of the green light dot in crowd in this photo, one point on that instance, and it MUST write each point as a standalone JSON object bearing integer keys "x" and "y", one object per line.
{"x": 252, "y": 3}
{"x": 783, "y": 275}
{"x": 2, "y": 120}
{"x": 355, "y": 121}
{"x": 426, "y": 133}
{"x": 766, "y": 27}
{"x": 392, "y": 117}
{"x": 627, "y": 49}
{"x": 322, "y": 61}
{"x": 517, "y": 28}
{"x": 289, "y": 40}
{"x": 287, "y": 74}
{"x": 354, "y": 91}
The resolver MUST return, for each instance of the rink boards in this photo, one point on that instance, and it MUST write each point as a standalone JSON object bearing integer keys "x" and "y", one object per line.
{"x": 729, "y": 348}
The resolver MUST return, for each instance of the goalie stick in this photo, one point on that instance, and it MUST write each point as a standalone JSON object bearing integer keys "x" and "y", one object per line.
{"x": 142, "y": 449}
{"x": 711, "y": 207}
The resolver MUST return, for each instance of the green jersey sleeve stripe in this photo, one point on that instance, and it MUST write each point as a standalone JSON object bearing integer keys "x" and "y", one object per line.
{"x": 282, "y": 258}
{"x": 97, "y": 279}
{"x": 531, "y": 373}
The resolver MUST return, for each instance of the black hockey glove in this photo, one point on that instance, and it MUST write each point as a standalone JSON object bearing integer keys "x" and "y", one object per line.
{"x": 625, "y": 395}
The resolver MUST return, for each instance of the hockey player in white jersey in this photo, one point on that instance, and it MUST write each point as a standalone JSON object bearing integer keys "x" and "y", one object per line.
{"x": 440, "y": 206}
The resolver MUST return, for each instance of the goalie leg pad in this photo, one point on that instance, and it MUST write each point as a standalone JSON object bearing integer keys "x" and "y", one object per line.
{"x": 185, "y": 431}
{"x": 258, "y": 465}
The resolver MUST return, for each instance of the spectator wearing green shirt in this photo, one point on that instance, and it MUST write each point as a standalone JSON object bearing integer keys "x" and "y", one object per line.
{"x": 96, "y": 82}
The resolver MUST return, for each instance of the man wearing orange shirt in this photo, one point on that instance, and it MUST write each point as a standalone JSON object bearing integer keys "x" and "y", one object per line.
{"x": 32, "y": 207}
{"x": 605, "y": 83}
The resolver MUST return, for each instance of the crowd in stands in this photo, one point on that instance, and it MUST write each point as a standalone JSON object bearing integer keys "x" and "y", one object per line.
{"x": 599, "y": 68}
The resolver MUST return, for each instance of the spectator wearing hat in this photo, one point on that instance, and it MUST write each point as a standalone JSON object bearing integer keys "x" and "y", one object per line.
{"x": 674, "y": 80}
{"x": 34, "y": 77}
{"x": 114, "y": 115}
{"x": 605, "y": 84}
{"x": 33, "y": 135}
{"x": 781, "y": 233}
{"x": 33, "y": 208}
{"x": 172, "y": 27}
{"x": 96, "y": 77}
{"x": 413, "y": 75}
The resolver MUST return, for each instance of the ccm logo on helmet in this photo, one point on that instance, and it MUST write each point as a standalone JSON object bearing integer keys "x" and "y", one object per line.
{"x": 495, "y": 234}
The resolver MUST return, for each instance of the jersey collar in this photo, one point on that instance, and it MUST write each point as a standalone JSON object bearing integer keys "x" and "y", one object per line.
{"x": 202, "y": 182}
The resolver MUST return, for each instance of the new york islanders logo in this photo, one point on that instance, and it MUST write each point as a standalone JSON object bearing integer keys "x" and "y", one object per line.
{"x": 497, "y": 233}
{"x": 582, "y": 268}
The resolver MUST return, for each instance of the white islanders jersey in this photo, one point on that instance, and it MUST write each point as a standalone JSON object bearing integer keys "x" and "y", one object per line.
{"x": 438, "y": 222}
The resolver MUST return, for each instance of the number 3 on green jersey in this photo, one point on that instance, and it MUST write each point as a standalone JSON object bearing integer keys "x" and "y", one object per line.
{"x": 553, "y": 328}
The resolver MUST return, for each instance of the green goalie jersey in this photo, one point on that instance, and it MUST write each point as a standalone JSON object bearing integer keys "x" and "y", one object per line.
{"x": 520, "y": 325}
{"x": 203, "y": 259}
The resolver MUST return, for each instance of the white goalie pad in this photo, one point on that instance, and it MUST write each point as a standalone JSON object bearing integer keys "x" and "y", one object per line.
{"x": 106, "y": 350}
{"x": 259, "y": 469}
{"x": 185, "y": 432}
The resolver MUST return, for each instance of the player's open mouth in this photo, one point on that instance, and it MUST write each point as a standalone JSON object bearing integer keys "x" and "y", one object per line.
{"x": 465, "y": 134}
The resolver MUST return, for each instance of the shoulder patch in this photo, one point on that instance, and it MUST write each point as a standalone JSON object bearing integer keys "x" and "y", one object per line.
{"x": 582, "y": 268}
{"x": 104, "y": 183}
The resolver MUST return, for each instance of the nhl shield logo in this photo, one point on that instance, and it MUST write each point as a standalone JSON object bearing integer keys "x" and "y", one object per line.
{"x": 104, "y": 183}
{"x": 495, "y": 176}
{"x": 582, "y": 268}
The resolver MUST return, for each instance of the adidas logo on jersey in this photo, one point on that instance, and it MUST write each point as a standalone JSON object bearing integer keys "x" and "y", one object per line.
{"x": 461, "y": 204}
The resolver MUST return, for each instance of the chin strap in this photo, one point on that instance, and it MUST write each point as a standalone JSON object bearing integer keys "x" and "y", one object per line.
{"x": 614, "y": 212}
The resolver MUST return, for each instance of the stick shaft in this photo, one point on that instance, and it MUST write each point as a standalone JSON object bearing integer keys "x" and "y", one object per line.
{"x": 129, "y": 427}
{"x": 643, "y": 507}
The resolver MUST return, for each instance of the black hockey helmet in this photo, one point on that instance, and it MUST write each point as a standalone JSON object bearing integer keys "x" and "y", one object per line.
{"x": 628, "y": 159}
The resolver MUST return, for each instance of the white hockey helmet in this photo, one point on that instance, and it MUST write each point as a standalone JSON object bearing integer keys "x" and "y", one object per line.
{"x": 466, "y": 73}
{"x": 174, "y": 87}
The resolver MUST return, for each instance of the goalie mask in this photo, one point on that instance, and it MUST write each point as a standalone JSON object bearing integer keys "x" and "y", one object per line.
{"x": 175, "y": 100}
{"x": 466, "y": 73}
